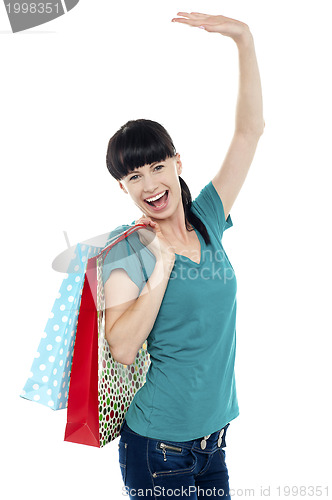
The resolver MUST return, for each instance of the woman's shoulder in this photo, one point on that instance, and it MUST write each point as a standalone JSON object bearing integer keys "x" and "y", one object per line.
{"x": 116, "y": 232}
{"x": 122, "y": 240}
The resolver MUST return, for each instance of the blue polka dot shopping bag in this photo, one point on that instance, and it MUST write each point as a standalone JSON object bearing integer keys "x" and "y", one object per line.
{"x": 101, "y": 389}
{"x": 49, "y": 377}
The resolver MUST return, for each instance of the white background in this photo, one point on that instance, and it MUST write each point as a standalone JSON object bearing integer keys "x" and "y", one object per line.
{"x": 66, "y": 87}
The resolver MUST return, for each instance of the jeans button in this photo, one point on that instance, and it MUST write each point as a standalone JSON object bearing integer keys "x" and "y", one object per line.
{"x": 203, "y": 444}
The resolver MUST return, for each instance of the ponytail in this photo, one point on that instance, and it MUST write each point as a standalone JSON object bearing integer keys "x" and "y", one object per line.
{"x": 190, "y": 217}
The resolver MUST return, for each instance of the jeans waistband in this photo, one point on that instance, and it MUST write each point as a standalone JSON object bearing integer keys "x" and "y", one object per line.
{"x": 211, "y": 443}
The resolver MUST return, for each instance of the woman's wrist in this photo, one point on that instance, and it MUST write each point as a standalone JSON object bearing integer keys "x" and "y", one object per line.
{"x": 245, "y": 39}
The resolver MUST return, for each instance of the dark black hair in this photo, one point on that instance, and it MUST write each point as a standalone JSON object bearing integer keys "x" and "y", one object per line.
{"x": 141, "y": 142}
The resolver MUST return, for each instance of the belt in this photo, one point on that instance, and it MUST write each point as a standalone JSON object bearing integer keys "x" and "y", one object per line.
{"x": 209, "y": 442}
{"x": 216, "y": 436}
{"x": 203, "y": 442}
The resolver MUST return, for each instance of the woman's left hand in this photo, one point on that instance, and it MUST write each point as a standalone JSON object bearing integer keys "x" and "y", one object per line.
{"x": 214, "y": 24}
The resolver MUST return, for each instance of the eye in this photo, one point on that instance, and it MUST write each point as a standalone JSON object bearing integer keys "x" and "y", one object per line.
{"x": 156, "y": 167}
{"x": 133, "y": 177}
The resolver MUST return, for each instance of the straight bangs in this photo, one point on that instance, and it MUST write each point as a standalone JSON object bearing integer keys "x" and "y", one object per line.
{"x": 136, "y": 144}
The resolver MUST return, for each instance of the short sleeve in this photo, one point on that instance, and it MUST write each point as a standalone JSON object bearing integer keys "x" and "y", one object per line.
{"x": 131, "y": 255}
{"x": 209, "y": 206}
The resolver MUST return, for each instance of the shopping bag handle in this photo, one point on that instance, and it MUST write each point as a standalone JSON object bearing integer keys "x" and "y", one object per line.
{"x": 124, "y": 235}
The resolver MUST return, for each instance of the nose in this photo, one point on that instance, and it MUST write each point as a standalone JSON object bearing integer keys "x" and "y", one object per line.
{"x": 149, "y": 185}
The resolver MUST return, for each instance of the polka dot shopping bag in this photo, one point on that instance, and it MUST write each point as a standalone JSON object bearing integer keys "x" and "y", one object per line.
{"x": 49, "y": 377}
{"x": 101, "y": 389}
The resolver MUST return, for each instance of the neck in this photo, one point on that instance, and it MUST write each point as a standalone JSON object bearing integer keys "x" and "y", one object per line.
{"x": 174, "y": 228}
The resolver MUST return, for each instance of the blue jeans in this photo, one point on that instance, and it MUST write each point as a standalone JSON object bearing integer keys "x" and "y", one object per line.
{"x": 181, "y": 470}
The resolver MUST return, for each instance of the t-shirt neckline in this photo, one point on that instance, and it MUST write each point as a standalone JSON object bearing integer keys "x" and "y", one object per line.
{"x": 201, "y": 240}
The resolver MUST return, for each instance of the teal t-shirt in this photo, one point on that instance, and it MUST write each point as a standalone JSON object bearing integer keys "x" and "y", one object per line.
{"x": 190, "y": 386}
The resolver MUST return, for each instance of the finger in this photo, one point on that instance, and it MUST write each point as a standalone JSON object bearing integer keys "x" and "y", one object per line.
{"x": 188, "y": 14}
{"x": 189, "y": 22}
{"x": 200, "y": 14}
{"x": 146, "y": 221}
{"x": 141, "y": 221}
{"x": 194, "y": 23}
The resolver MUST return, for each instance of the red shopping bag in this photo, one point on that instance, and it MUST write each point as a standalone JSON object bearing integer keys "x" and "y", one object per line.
{"x": 88, "y": 422}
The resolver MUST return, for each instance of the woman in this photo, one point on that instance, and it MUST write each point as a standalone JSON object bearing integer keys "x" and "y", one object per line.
{"x": 180, "y": 295}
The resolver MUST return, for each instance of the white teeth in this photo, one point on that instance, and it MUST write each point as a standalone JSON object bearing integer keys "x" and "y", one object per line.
{"x": 156, "y": 197}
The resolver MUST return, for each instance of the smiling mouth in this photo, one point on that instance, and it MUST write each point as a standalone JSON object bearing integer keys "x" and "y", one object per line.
{"x": 159, "y": 202}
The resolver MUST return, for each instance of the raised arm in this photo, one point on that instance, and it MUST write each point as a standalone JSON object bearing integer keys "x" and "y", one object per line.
{"x": 249, "y": 122}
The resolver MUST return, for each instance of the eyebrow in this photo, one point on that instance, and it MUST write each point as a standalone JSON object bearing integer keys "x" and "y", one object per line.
{"x": 152, "y": 165}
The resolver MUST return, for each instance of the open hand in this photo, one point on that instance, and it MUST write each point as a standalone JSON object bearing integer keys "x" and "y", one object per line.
{"x": 215, "y": 24}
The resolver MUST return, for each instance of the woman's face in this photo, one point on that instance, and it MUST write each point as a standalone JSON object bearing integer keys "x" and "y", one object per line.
{"x": 150, "y": 181}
